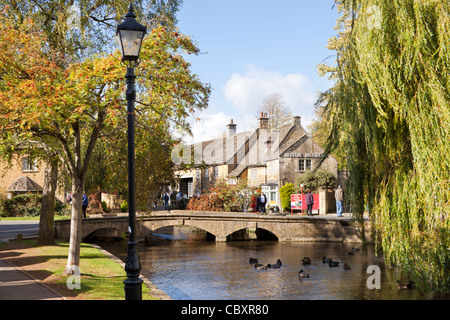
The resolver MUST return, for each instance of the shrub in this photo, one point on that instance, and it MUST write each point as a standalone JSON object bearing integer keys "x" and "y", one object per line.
{"x": 221, "y": 197}
{"x": 315, "y": 180}
{"x": 94, "y": 206}
{"x": 285, "y": 195}
{"x": 105, "y": 207}
{"x": 124, "y": 206}
{"x": 22, "y": 205}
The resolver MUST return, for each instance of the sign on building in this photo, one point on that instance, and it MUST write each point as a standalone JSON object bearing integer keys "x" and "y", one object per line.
{"x": 298, "y": 203}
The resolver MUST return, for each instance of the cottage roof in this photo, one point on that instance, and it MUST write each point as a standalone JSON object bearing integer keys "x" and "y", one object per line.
{"x": 250, "y": 148}
{"x": 24, "y": 184}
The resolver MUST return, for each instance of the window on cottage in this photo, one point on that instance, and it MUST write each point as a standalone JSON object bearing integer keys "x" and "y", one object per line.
{"x": 308, "y": 166}
{"x": 272, "y": 196}
{"x": 29, "y": 164}
{"x": 253, "y": 173}
{"x": 207, "y": 173}
{"x": 216, "y": 171}
{"x": 273, "y": 167}
{"x": 301, "y": 164}
{"x": 304, "y": 164}
{"x": 198, "y": 171}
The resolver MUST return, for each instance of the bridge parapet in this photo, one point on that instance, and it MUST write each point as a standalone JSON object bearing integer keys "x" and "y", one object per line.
{"x": 222, "y": 225}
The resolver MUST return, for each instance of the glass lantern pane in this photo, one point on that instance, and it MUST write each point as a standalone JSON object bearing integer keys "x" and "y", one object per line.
{"x": 119, "y": 42}
{"x": 131, "y": 42}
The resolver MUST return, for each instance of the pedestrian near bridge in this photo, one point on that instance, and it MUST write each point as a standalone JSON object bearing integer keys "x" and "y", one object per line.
{"x": 339, "y": 196}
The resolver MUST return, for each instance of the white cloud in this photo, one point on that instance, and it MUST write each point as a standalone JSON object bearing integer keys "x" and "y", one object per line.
{"x": 208, "y": 126}
{"x": 247, "y": 91}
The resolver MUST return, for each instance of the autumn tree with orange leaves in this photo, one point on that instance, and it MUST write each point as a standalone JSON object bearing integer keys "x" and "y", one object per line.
{"x": 70, "y": 109}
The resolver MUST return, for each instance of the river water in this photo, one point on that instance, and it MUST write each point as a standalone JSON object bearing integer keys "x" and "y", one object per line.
{"x": 187, "y": 267}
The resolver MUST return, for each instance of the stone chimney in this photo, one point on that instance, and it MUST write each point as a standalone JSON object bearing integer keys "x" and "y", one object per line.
{"x": 231, "y": 129}
{"x": 263, "y": 121}
{"x": 297, "y": 121}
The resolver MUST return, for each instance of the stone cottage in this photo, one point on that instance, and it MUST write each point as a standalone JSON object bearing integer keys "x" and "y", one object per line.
{"x": 264, "y": 158}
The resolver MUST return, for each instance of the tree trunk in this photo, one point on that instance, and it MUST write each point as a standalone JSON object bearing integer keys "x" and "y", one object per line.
{"x": 78, "y": 172}
{"x": 46, "y": 221}
{"x": 73, "y": 259}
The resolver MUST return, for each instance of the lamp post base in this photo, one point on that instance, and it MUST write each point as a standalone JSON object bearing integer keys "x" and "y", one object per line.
{"x": 133, "y": 289}
{"x": 133, "y": 284}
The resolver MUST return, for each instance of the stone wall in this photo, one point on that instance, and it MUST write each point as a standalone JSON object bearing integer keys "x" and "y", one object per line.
{"x": 223, "y": 225}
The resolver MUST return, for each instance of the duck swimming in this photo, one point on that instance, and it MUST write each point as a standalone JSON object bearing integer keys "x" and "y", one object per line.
{"x": 404, "y": 286}
{"x": 301, "y": 274}
{"x": 278, "y": 264}
{"x": 253, "y": 260}
{"x": 259, "y": 266}
{"x": 333, "y": 264}
{"x": 326, "y": 260}
{"x": 306, "y": 260}
{"x": 346, "y": 267}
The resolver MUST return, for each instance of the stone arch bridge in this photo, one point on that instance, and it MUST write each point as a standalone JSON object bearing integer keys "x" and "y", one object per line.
{"x": 222, "y": 226}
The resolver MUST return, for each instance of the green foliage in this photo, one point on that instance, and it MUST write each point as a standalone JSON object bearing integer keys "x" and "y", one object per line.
{"x": 222, "y": 197}
{"x": 105, "y": 207}
{"x": 390, "y": 109}
{"x": 314, "y": 180}
{"x": 124, "y": 206}
{"x": 22, "y": 205}
{"x": 285, "y": 195}
{"x": 59, "y": 207}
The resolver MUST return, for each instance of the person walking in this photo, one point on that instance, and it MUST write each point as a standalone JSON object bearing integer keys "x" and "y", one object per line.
{"x": 84, "y": 204}
{"x": 263, "y": 203}
{"x": 309, "y": 199}
{"x": 166, "y": 201}
{"x": 339, "y": 196}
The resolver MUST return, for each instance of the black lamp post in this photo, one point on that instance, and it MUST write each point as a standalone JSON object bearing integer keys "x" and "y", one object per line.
{"x": 130, "y": 35}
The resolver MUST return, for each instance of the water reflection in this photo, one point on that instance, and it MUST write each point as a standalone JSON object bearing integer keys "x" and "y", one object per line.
{"x": 186, "y": 267}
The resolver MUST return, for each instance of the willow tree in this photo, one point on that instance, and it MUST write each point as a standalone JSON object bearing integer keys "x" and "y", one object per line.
{"x": 390, "y": 111}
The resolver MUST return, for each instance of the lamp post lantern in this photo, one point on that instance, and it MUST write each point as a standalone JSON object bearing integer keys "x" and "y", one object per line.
{"x": 130, "y": 35}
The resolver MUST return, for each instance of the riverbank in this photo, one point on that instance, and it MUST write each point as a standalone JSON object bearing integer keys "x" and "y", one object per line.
{"x": 101, "y": 278}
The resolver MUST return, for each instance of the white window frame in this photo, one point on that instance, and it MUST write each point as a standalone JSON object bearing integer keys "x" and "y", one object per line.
{"x": 216, "y": 171}
{"x": 29, "y": 166}
{"x": 273, "y": 166}
{"x": 308, "y": 164}
{"x": 301, "y": 164}
{"x": 304, "y": 165}
{"x": 253, "y": 173}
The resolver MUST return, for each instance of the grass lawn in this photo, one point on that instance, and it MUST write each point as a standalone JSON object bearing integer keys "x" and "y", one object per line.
{"x": 101, "y": 277}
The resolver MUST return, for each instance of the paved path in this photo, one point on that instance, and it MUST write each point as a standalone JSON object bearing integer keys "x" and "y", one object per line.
{"x": 18, "y": 285}
{"x": 10, "y": 228}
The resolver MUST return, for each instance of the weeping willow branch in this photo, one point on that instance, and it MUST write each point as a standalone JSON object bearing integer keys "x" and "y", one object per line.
{"x": 390, "y": 111}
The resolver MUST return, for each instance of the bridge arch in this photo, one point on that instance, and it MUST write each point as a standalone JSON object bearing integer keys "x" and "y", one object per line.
{"x": 156, "y": 235}
{"x": 104, "y": 233}
{"x": 218, "y": 230}
{"x": 148, "y": 227}
{"x": 252, "y": 234}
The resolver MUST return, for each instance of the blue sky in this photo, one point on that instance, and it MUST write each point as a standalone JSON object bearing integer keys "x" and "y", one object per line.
{"x": 255, "y": 48}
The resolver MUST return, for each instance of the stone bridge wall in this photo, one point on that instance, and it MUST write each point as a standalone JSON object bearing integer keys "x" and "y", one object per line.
{"x": 222, "y": 225}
